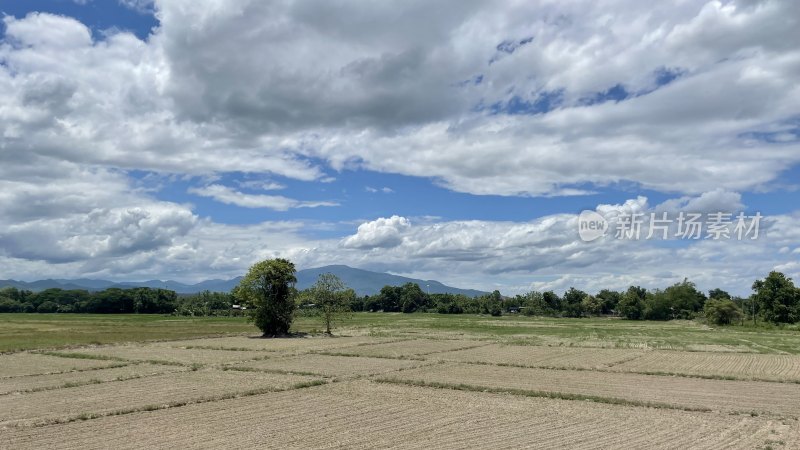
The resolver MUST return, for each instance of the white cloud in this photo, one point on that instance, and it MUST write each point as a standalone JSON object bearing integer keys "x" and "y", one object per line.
{"x": 313, "y": 85}
{"x": 380, "y": 233}
{"x": 230, "y": 196}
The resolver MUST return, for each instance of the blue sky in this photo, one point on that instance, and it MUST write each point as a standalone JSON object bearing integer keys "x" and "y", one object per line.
{"x": 188, "y": 140}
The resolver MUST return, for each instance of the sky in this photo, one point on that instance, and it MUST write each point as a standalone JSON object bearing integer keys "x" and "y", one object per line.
{"x": 456, "y": 140}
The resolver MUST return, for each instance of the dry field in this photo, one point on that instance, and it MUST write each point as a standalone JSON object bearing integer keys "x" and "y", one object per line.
{"x": 367, "y": 415}
{"x": 270, "y": 345}
{"x": 365, "y": 392}
{"x": 185, "y": 356}
{"x": 543, "y": 357}
{"x": 69, "y": 379}
{"x": 666, "y": 392}
{"x": 414, "y": 348}
{"x": 733, "y": 365}
{"x": 25, "y": 364}
{"x": 330, "y": 366}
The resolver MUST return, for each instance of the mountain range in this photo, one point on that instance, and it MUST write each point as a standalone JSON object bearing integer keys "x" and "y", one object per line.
{"x": 364, "y": 282}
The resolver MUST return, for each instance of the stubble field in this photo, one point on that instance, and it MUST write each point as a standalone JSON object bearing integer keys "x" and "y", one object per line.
{"x": 412, "y": 385}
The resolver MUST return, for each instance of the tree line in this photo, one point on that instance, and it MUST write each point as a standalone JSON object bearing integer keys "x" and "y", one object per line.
{"x": 141, "y": 300}
{"x": 775, "y": 299}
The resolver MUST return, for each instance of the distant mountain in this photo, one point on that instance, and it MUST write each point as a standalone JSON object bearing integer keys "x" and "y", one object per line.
{"x": 364, "y": 282}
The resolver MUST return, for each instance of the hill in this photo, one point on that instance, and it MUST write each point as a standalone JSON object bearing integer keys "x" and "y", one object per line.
{"x": 364, "y": 282}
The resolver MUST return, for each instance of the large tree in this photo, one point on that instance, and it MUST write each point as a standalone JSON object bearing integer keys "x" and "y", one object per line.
{"x": 332, "y": 298}
{"x": 777, "y": 298}
{"x": 631, "y": 305}
{"x": 268, "y": 289}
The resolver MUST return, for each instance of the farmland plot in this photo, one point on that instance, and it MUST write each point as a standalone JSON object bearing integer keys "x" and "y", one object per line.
{"x": 271, "y": 345}
{"x": 331, "y": 366}
{"x": 678, "y": 392}
{"x": 147, "y": 352}
{"x": 53, "y": 381}
{"x": 735, "y": 365}
{"x": 365, "y": 415}
{"x": 409, "y": 348}
{"x": 544, "y": 357}
{"x": 25, "y": 364}
{"x": 69, "y": 403}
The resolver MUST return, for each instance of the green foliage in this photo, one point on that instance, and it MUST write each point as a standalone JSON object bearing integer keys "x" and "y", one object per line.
{"x": 592, "y": 306}
{"x": 684, "y": 299}
{"x": 9, "y": 306}
{"x": 268, "y": 289}
{"x": 207, "y": 303}
{"x": 631, "y": 305}
{"x": 573, "y": 302}
{"x": 610, "y": 299}
{"x": 47, "y": 307}
{"x": 721, "y": 311}
{"x": 777, "y": 298}
{"x": 331, "y": 298}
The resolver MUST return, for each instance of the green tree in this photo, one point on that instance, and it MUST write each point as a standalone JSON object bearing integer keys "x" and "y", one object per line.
{"x": 573, "y": 302}
{"x": 721, "y": 311}
{"x": 610, "y": 300}
{"x": 332, "y": 298}
{"x": 268, "y": 290}
{"x": 684, "y": 300}
{"x": 592, "y": 305}
{"x": 412, "y": 298}
{"x": 9, "y": 306}
{"x": 777, "y": 298}
{"x": 631, "y": 305}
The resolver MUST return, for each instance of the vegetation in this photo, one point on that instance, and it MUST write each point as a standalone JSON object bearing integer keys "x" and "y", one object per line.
{"x": 39, "y": 331}
{"x": 331, "y": 299}
{"x": 268, "y": 289}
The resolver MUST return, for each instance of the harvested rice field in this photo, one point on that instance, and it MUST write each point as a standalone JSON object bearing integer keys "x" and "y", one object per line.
{"x": 544, "y": 357}
{"x": 25, "y": 364}
{"x": 256, "y": 343}
{"x": 185, "y": 356}
{"x": 406, "y": 388}
{"x": 744, "y": 397}
{"x": 70, "y": 379}
{"x": 368, "y": 415}
{"x": 733, "y": 365}
{"x": 331, "y": 366}
{"x": 140, "y": 393}
{"x": 409, "y": 348}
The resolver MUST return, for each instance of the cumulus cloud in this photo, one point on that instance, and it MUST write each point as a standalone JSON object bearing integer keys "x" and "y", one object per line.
{"x": 696, "y": 99}
{"x": 225, "y": 194}
{"x": 380, "y": 233}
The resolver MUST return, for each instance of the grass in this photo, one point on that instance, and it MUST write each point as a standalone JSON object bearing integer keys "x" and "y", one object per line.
{"x": 52, "y": 331}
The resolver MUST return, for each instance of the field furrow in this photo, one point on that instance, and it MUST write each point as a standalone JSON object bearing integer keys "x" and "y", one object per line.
{"x": 152, "y": 353}
{"x": 409, "y": 348}
{"x": 256, "y": 343}
{"x": 70, "y": 379}
{"x": 330, "y": 366}
{"x": 365, "y": 415}
{"x": 25, "y": 364}
{"x": 152, "y": 392}
{"x": 675, "y": 392}
{"x": 533, "y": 356}
{"x": 734, "y": 365}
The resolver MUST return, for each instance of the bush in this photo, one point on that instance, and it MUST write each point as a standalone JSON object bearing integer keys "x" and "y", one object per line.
{"x": 47, "y": 307}
{"x": 9, "y": 306}
{"x": 722, "y": 312}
